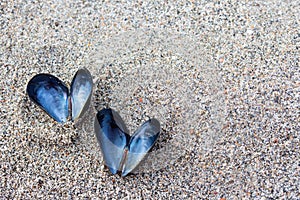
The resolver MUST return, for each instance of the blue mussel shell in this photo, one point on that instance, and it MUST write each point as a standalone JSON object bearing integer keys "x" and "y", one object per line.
{"x": 122, "y": 152}
{"x": 52, "y": 95}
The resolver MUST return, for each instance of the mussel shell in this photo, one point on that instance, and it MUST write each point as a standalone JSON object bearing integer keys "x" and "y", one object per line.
{"x": 81, "y": 92}
{"x": 50, "y": 94}
{"x": 111, "y": 138}
{"x": 122, "y": 152}
{"x": 140, "y": 144}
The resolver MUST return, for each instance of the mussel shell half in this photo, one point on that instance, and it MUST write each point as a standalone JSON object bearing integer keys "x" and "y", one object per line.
{"x": 81, "y": 91}
{"x": 51, "y": 94}
{"x": 122, "y": 152}
{"x": 112, "y": 138}
{"x": 140, "y": 144}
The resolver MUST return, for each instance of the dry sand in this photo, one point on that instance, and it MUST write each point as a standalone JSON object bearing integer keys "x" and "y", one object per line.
{"x": 222, "y": 78}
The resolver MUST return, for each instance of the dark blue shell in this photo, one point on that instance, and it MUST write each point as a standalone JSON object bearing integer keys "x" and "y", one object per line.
{"x": 52, "y": 95}
{"x": 122, "y": 152}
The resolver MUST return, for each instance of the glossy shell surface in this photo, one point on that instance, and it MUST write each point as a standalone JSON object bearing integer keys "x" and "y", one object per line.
{"x": 81, "y": 91}
{"x": 122, "y": 152}
{"x": 52, "y": 95}
{"x": 49, "y": 93}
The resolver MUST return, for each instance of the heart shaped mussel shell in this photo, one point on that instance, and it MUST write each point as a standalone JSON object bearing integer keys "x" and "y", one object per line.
{"x": 122, "y": 152}
{"x": 53, "y": 96}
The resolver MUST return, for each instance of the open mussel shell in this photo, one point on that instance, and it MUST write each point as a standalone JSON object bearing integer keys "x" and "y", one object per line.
{"x": 122, "y": 152}
{"x": 52, "y": 95}
{"x": 81, "y": 92}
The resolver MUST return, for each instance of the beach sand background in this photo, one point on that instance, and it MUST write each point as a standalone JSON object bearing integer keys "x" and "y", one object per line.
{"x": 223, "y": 78}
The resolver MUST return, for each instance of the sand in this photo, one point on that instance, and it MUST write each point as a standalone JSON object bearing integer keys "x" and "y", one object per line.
{"x": 223, "y": 78}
